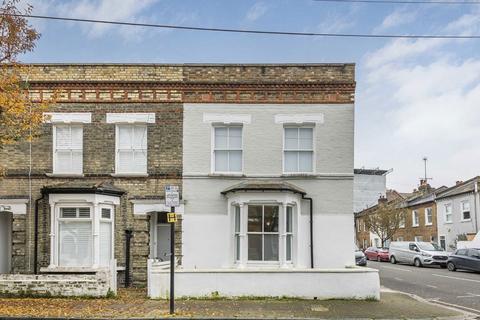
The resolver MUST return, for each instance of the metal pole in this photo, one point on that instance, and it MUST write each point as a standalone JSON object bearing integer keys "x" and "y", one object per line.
{"x": 172, "y": 265}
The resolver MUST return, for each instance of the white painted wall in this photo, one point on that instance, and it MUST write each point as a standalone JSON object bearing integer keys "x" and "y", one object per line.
{"x": 356, "y": 283}
{"x": 207, "y": 226}
{"x": 457, "y": 226}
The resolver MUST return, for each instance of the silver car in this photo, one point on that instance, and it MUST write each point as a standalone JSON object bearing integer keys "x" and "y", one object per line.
{"x": 417, "y": 253}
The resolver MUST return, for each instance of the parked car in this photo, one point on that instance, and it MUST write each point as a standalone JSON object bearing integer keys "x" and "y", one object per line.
{"x": 467, "y": 259}
{"x": 360, "y": 259}
{"x": 417, "y": 253}
{"x": 379, "y": 254}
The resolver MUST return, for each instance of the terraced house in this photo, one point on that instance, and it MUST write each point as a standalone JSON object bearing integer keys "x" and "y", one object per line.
{"x": 263, "y": 155}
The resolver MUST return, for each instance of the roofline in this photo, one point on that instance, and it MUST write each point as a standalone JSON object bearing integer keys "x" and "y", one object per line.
{"x": 69, "y": 190}
{"x": 439, "y": 196}
{"x": 193, "y": 64}
{"x": 263, "y": 189}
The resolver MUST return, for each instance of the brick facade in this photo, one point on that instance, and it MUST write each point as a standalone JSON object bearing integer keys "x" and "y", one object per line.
{"x": 159, "y": 89}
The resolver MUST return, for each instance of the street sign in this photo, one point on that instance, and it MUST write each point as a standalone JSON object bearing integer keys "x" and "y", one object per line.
{"x": 171, "y": 217}
{"x": 172, "y": 196}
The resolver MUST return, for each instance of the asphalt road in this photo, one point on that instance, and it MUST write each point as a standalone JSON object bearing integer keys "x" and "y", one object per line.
{"x": 459, "y": 289}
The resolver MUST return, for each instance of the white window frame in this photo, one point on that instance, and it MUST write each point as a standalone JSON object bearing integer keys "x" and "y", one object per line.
{"x": 428, "y": 222}
{"x": 213, "y": 149}
{"x": 237, "y": 233}
{"x": 72, "y": 150}
{"x": 462, "y": 210}
{"x": 446, "y": 214}
{"x": 110, "y": 220}
{"x": 415, "y": 218}
{"x": 288, "y": 234}
{"x": 117, "y": 150}
{"x": 313, "y": 150}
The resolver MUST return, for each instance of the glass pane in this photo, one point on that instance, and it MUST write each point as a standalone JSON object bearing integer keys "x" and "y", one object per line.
{"x": 254, "y": 218}
{"x": 271, "y": 247}
{"x": 306, "y": 138}
{"x": 237, "y": 247}
{"x": 235, "y": 158}
{"x": 77, "y": 137}
{"x": 140, "y": 161}
{"x": 221, "y": 161}
{"x": 305, "y": 161}
{"x": 289, "y": 219}
{"x": 235, "y": 141}
{"x": 270, "y": 219}
{"x": 63, "y": 162}
{"x": 75, "y": 241}
{"x": 106, "y": 213}
{"x": 125, "y": 139}
{"x": 105, "y": 243}
{"x": 291, "y": 138}
{"x": 125, "y": 161}
{"x": 140, "y": 137}
{"x": 289, "y": 247}
{"x": 77, "y": 161}
{"x": 63, "y": 137}
{"x": 84, "y": 212}
{"x": 237, "y": 219}
{"x": 255, "y": 247}
{"x": 291, "y": 164}
{"x": 221, "y": 138}
{"x": 68, "y": 212}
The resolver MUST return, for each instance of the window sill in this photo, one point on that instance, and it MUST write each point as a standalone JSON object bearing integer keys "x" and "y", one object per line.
{"x": 70, "y": 269}
{"x": 299, "y": 174}
{"x": 65, "y": 175}
{"x": 466, "y": 220}
{"x": 429, "y": 224}
{"x": 226, "y": 174}
{"x": 129, "y": 175}
{"x": 448, "y": 222}
{"x": 416, "y": 226}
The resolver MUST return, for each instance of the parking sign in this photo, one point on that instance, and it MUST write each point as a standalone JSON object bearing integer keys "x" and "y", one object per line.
{"x": 172, "y": 196}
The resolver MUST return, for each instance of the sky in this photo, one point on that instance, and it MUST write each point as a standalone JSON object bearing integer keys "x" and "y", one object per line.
{"x": 414, "y": 98}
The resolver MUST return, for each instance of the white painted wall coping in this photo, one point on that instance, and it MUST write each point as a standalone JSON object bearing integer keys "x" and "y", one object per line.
{"x": 130, "y": 117}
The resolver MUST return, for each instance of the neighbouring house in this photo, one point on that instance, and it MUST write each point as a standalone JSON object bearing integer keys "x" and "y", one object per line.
{"x": 420, "y": 223}
{"x": 364, "y": 237}
{"x": 263, "y": 155}
{"x": 368, "y": 186}
{"x": 458, "y": 213}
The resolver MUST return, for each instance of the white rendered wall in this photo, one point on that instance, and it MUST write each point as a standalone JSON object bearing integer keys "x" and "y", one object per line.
{"x": 207, "y": 237}
{"x": 356, "y": 283}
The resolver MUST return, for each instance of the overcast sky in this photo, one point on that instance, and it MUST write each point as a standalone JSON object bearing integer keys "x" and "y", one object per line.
{"x": 414, "y": 98}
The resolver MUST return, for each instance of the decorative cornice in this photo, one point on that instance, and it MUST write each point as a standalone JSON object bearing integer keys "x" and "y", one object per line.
{"x": 184, "y": 92}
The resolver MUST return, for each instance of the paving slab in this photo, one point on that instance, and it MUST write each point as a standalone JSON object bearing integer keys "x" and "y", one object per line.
{"x": 133, "y": 304}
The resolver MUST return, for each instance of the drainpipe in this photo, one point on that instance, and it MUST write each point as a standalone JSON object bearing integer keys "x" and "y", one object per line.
{"x": 128, "y": 237}
{"x": 311, "y": 229}
{"x": 35, "y": 236}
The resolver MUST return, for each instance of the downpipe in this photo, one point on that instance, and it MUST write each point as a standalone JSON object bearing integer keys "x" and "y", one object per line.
{"x": 35, "y": 236}
{"x": 311, "y": 230}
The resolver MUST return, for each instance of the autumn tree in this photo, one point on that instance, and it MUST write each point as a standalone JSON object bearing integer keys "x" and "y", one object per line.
{"x": 19, "y": 116}
{"x": 385, "y": 220}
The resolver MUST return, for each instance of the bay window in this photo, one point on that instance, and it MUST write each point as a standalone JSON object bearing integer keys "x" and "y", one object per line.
{"x": 131, "y": 149}
{"x": 289, "y": 233}
{"x": 67, "y": 149}
{"x": 227, "y": 149}
{"x": 106, "y": 241}
{"x": 298, "y": 150}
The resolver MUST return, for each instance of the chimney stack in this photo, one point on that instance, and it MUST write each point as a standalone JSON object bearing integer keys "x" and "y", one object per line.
{"x": 457, "y": 183}
{"x": 382, "y": 200}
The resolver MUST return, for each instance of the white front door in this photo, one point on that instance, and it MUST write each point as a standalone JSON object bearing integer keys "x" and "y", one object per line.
{"x": 5, "y": 242}
{"x": 163, "y": 242}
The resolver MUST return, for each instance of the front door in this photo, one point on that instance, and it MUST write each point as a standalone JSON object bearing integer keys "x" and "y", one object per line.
{"x": 163, "y": 242}
{"x": 5, "y": 242}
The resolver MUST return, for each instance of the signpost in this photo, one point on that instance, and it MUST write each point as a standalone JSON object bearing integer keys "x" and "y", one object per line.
{"x": 172, "y": 200}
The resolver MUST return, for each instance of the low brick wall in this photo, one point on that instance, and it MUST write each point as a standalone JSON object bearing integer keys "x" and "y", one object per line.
{"x": 68, "y": 285}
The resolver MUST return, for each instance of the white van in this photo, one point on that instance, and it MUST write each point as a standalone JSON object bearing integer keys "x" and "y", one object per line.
{"x": 417, "y": 253}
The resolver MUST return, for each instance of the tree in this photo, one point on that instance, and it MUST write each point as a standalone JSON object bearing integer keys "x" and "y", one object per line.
{"x": 19, "y": 117}
{"x": 385, "y": 220}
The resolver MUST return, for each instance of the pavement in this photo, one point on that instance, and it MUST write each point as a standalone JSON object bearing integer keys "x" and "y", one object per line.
{"x": 132, "y": 303}
{"x": 459, "y": 289}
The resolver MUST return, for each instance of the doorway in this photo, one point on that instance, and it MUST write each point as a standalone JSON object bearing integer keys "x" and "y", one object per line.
{"x": 5, "y": 242}
{"x": 161, "y": 237}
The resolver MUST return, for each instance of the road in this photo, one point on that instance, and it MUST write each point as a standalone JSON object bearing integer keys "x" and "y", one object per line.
{"x": 458, "y": 289}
